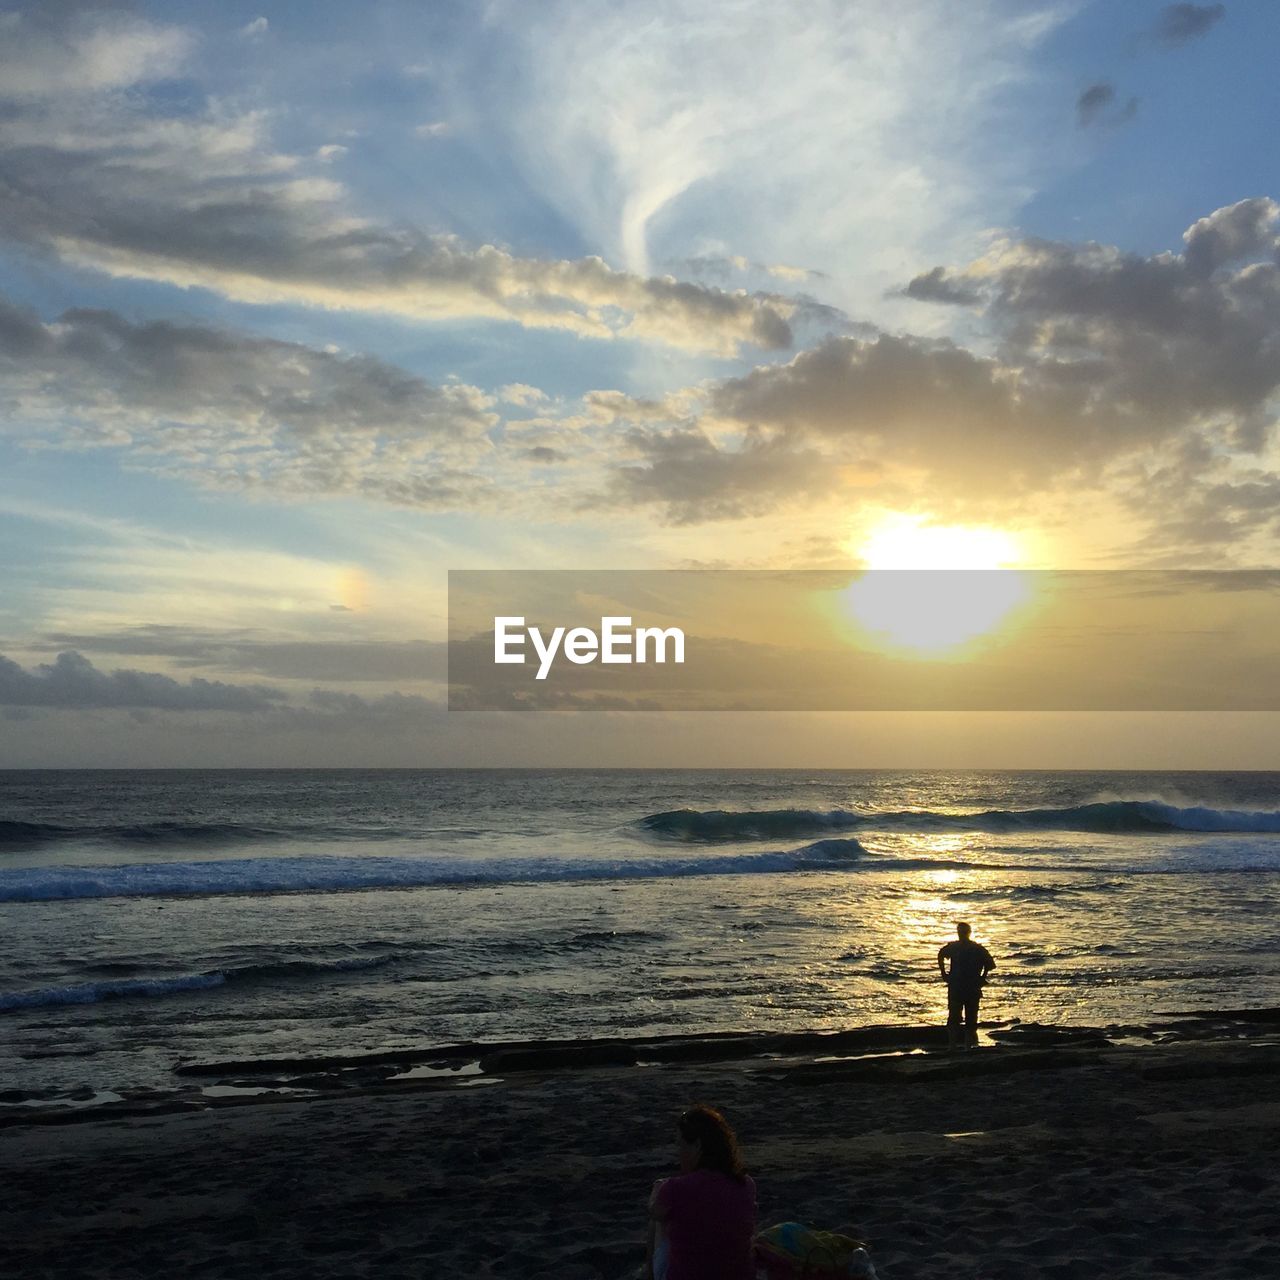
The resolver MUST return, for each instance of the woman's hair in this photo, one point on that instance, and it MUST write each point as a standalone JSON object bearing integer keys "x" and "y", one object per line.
{"x": 705, "y": 1125}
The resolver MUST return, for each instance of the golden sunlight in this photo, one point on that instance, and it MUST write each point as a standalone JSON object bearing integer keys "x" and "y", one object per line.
{"x": 935, "y": 591}
{"x": 909, "y": 542}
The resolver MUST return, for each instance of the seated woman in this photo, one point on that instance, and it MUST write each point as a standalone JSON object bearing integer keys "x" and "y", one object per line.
{"x": 702, "y": 1220}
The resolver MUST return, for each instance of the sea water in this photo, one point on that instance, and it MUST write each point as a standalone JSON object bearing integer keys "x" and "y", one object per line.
{"x": 149, "y": 918}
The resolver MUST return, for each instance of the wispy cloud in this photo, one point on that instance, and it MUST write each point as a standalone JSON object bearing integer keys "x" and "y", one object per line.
{"x": 862, "y": 136}
{"x": 58, "y": 51}
{"x": 133, "y": 188}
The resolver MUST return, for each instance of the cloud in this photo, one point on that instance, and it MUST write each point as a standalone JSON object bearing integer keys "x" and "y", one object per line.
{"x": 231, "y": 409}
{"x": 865, "y": 137}
{"x": 521, "y": 393}
{"x": 785, "y": 272}
{"x": 698, "y": 480}
{"x": 1236, "y": 232}
{"x": 59, "y": 51}
{"x": 940, "y": 285}
{"x": 1161, "y": 341}
{"x": 133, "y": 188}
{"x": 1095, "y": 106}
{"x": 1100, "y": 352}
{"x": 106, "y": 364}
{"x": 1089, "y": 357}
{"x": 73, "y": 682}
{"x": 919, "y": 403}
{"x": 1203, "y": 505}
{"x": 1096, "y": 357}
{"x": 258, "y": 27}
{"x": 721, "y": 267}
{"x": 328, "y": 705}
{"x": 245, "y": 652}
{"x": 1198, "y": 513}
{"x": 544, "y": 454}
{"x": 1179, "y": 24}
{"x": 432, "y": 129}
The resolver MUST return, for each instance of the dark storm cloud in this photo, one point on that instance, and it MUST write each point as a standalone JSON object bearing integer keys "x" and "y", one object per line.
{"x": 73, "y": 682}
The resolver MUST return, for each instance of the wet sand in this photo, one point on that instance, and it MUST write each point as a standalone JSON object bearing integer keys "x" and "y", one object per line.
{"x": 1125, "y": 1153}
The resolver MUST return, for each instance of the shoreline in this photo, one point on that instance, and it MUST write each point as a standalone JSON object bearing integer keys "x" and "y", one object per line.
{"x": 1069, "y": 1153}
{"x": 874, "y": 1051}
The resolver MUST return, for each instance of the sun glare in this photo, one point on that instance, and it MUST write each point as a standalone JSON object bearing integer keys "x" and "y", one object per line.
{"x": 907, "y": 542}
{"x": 936, "y": 591}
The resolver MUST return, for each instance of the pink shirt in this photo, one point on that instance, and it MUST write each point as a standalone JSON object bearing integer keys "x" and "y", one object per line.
{"x": 710, "y": 1223}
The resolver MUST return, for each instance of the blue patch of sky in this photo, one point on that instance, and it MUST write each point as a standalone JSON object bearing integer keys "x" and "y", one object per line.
{"x": 49, "y": 288}
{"x": 369, "y": 94}
{"x": 1200, "y": 138}
{"x": 39, "y": 557}
{"x": 57, "y": 510}
{"x": 93, "y": 485}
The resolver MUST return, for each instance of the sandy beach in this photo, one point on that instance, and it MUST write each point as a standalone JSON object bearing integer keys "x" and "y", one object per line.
{"x": 1141, "y": 1152}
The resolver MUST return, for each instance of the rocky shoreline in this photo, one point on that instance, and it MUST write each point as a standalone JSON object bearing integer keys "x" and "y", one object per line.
{"x": 1052, "y": 1151}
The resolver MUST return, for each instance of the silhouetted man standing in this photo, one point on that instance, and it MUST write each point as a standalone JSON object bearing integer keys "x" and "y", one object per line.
{"x": 970, "y": 964}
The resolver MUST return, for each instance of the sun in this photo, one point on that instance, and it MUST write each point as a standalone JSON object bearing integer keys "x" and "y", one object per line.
{"x": 936, "y": 591}
{"x": 909, "y": 542}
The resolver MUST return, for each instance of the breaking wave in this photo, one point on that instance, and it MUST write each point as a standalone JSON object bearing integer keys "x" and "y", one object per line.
{"x": 712, "y": 826}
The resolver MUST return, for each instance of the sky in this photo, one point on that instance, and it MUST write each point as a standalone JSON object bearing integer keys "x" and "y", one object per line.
{"x": 303, "y": 306}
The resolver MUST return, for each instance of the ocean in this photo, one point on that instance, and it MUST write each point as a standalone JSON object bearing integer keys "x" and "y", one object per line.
{"x": 153, "y": 918}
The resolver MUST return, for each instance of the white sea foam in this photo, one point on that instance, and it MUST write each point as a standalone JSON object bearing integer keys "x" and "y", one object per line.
{"x": 320, "y": 874}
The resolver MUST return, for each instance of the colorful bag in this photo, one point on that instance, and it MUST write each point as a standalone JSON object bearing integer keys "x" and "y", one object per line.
{"x": 792, "y": 1251}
